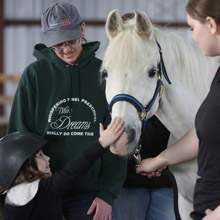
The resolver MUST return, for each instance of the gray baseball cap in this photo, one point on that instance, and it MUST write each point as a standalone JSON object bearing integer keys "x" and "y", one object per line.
{"x": 60, "y": 22}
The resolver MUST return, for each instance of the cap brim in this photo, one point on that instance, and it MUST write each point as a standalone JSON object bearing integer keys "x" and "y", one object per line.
{"x": 56, "y": 37}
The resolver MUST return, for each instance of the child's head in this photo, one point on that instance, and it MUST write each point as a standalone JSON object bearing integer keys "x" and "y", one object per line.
{"x": 21, "y": 159}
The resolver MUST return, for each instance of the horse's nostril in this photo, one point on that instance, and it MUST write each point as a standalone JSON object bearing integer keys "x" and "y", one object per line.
{"x": 131, "y": 135}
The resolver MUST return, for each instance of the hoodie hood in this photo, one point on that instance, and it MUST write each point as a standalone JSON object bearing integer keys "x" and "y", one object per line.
{"x": 41, "y": 52}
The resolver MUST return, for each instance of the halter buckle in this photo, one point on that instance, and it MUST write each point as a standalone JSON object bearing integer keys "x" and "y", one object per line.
{"x": 143, "y": 114}
{"x": 161, "y": 89}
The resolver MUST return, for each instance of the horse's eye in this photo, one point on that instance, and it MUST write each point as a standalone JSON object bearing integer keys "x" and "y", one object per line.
{"x": 152, "y": 72}
{"x": 104, "y": 74}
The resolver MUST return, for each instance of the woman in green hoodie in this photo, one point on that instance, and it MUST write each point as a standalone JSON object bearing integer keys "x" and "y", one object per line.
{"x": 59, "y": 97}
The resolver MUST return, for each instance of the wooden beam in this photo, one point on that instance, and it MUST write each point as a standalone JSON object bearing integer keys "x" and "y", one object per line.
{"x": 5, "y": 77}
{"x": 3, "y": 122}
{"x": 6, "y": 99}
{"x": 89, "y": 22}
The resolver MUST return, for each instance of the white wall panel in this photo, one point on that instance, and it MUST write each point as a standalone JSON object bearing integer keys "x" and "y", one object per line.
{"x": 157, "y": 9}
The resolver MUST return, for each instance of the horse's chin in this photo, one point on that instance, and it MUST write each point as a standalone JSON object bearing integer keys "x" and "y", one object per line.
{"x": 121, "y": 147}
{"x": 120, "y": 153}
{"x": 116, "y": 151}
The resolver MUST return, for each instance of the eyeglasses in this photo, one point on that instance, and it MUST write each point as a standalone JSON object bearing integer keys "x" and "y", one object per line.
{"x": 60, "y": 47}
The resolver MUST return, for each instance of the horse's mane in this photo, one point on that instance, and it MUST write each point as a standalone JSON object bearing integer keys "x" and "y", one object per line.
{"x": 181, "y": 56}
{"x": 188, "y": 60}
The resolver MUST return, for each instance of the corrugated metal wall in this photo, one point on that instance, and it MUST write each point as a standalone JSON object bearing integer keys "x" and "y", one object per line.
{"x": 20, "y": 39}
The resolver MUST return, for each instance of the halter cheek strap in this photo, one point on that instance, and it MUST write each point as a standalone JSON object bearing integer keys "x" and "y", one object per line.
{"x": 158, "y": 92}
{"x": 162, "y": 65}
{"x": 139, "y": 107}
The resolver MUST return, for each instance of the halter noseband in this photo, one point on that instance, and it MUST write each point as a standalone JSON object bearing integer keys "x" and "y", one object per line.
{"x": 158, "y": 92}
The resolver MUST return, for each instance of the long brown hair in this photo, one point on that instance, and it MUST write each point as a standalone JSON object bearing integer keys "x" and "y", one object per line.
{"x": 200, "y": 9}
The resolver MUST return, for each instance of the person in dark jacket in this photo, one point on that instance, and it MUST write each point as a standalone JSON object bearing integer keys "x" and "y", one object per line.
{"x": 28, "y": 189}
{"x": 141, "y": 197}
{"x": 60, "y": 98}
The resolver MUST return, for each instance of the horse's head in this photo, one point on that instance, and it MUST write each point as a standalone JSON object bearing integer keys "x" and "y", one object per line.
{"x": 131, "y": 66}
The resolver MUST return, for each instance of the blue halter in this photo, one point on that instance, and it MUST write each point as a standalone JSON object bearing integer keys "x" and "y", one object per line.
{"x": 158, "y": 91}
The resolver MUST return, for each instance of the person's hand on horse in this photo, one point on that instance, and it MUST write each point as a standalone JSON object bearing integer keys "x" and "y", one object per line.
{"x": 112, "y": 132}
{"x": 102, "y": 209}
{"x": 150, "y": 167}
{"x": 212, "y": 215}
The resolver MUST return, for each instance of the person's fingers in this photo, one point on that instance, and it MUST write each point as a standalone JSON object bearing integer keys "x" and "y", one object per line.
{"x": 91, "y": 208}
{"x": 148, "y": 175}
{"x": 140, "y": 167}
{"x": 117, "y": 125}
{"x": 158, "y": 173}
{"x": 113, "y": 124}
{"x": 208, "y": 211}
{"x": 101, "y": 128}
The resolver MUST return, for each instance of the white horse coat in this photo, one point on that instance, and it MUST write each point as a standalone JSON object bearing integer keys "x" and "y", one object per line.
{"x": 131, "y": 67}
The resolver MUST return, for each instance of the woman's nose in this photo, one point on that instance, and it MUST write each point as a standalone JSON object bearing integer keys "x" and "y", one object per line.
{"x": 67, "y": 49}
{"x": 48, "y": 158}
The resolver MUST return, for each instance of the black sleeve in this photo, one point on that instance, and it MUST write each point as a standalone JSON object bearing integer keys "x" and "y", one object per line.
{"x": 63, "y": 180}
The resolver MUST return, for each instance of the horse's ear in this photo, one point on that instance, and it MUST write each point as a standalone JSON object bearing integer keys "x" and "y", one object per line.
{"x": 114, "y": 24}
{"x": 143, "y": 24}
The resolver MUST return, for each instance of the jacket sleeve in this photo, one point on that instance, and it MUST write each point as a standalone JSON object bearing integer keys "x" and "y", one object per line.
{"x": 113, "y": 174}
{"x": 63, "y": 180}
{"x": 23, "y": 108}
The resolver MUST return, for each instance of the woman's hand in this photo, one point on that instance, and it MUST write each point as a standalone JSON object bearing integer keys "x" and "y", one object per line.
{"x": 212, "y": 215}
{"x": 151, "y": 167}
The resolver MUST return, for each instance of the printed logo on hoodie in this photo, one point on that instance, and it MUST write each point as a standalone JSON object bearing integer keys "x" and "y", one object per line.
{"x": 61, "y": 118}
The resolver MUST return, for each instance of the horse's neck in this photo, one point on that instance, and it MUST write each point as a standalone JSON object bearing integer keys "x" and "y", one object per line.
{"x": 177, "y": 110}
{"x": 181, "y": 100}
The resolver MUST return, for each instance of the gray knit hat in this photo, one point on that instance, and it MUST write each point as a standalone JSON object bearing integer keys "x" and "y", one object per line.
{"x": 60, "y": 22}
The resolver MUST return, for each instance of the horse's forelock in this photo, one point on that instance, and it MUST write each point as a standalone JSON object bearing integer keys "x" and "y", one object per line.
{"x": 127, "y": 17}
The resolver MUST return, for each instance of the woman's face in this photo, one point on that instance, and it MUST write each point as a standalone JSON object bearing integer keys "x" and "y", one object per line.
{"x": 71, "y": 54}
{"x": 42, "y": 162}
{"x": 204, "y": 36}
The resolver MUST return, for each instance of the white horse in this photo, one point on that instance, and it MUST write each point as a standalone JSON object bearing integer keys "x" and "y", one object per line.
{"x": 134, "y": 67}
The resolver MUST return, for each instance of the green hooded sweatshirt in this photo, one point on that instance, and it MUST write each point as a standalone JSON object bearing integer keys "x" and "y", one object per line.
{"x": 64, "y": 104}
